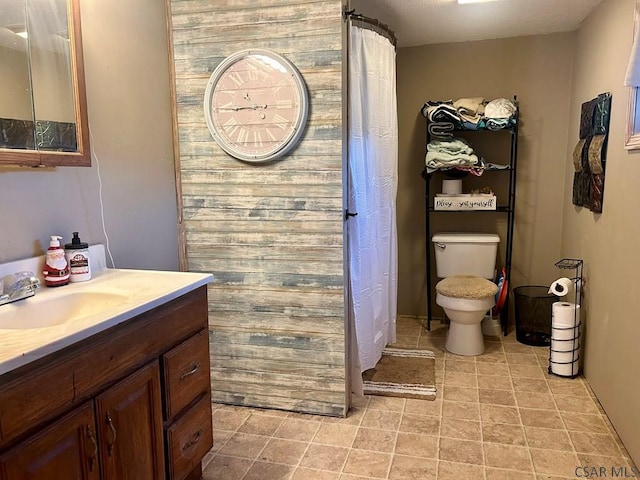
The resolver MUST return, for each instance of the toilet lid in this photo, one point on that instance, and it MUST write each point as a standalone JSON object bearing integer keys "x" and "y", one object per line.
{"x": 466, "y": 286}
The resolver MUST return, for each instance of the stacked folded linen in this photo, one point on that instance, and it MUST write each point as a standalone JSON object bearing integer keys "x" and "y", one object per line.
{"x": 472, "y": 113}
{"x": 440, "y": 112}
{"x": 500, "y": 108}
{"x": 470, "y": 110}
{"x": 441, "y": 129}
{"x": 499, "y": 113}
{"x": 455, "y": 153}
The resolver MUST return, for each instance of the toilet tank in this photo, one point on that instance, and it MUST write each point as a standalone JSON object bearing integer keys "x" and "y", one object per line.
{"x": 468, "y": 253}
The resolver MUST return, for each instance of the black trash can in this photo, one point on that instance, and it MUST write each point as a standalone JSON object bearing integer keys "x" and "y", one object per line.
{"x": 533, "y": 306}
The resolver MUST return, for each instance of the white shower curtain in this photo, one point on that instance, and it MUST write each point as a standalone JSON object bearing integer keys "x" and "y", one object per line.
{"x": 373, "y": 179}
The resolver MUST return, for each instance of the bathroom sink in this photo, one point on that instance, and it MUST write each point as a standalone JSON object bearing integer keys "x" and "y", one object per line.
{"x": 56, "y": 318}
{"x": 54, "y": 310}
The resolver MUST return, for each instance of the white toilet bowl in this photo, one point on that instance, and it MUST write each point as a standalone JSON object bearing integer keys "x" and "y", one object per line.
{"x": 465, "y": 300}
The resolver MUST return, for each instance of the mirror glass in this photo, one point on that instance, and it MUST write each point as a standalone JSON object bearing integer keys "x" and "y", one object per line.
{"x": 51, "y": 81}
{"x": 16, "y": 107}
{"x": 42, "y": 99}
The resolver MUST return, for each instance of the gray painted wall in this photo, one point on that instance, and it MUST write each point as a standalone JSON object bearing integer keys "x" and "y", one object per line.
{"x": 127, "y": 75}
{"x": 608, "y": 243}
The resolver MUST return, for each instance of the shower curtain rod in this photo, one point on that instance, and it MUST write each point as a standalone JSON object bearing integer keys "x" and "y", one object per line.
{"x": 371, "y": 24}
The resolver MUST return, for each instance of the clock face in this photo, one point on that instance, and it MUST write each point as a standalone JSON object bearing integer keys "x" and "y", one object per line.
{"x": 256, "y": 105}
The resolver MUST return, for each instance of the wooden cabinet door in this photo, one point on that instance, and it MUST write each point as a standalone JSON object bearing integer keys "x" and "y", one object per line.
{"x": 129, "y": 419}
{"x": 66, "y": 449}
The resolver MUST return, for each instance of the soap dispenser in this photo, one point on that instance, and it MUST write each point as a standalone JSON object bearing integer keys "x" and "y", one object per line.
{"x": 77, "y": 253}
{"x": 56, "y": 268}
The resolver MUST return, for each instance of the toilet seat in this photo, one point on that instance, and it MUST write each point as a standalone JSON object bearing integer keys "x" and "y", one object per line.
{"x": 469, "y": 287}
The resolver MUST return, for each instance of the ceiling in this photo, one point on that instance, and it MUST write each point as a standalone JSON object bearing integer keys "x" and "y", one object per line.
{"x": 422, "y": 22}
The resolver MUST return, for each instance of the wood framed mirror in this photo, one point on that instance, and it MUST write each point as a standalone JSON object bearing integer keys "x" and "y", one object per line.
{"x": 43, "y": 105}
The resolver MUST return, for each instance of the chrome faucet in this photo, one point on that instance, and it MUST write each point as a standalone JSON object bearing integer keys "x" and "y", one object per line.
{"x": 18, "y": 286}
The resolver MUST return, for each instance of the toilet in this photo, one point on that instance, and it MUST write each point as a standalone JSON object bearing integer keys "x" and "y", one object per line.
{"x": 465, "y": 262}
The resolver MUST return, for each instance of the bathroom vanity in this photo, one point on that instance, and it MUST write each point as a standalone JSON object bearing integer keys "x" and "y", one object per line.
{"x": 118, "y": 394}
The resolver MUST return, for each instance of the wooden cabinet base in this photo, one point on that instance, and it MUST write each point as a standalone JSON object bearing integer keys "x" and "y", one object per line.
{"x": 65, "y": 449}
{"x": 196, "y": 473}
{"x": 130, "y": 427}
{"x": 94, "y": 410}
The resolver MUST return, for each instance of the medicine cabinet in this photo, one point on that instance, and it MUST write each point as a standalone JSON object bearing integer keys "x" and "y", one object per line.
{"x": 43, "y": 107}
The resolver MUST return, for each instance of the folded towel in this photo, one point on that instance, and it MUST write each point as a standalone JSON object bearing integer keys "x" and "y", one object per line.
{"x": 443, "y": 113}
{"x": 470, "y": 109}
{"x": 477, "y": 171}
{"x": 440, "y": 112}
{"x": 500, "y": 108}
{"x": 442, "y": 159}
{"x": 498, "y": 123}
{"x": 457, "y": 145}
{"x": 425, "y": 108}
{"x": 495, "y": 166}
{"x": 443, "y": 154}
{"x": 441, "y": 129}
{"x": 471, "y": 106}
{"x": 475, "y": 125}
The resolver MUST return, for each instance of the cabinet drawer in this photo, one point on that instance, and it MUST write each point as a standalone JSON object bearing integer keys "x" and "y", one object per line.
{"x": 189, "y": 439}
{"x": 186, "y": 373}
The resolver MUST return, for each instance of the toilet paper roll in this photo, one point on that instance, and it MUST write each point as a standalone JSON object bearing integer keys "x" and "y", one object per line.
{"x": 452, "y": 187}
{"x": 565, "y": 334}
{"x": 565, "y": 315}
{"x": 568, "y": 345}
{"x": 565, "y": 337}
{"x": 565, "y": 369}
{"x": 561, "y": 287}
{"x": 564, "y": 357}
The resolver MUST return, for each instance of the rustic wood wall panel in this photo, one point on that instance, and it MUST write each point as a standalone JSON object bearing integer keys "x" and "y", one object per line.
{"x": 271, "y": 233}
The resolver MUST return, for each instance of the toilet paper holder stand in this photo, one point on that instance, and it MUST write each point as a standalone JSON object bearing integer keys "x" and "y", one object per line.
{"x": 578, "y": 281}
{"x": 576, "y": 265}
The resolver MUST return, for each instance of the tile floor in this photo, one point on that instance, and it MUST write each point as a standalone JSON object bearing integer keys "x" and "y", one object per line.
{"x": 498, "y": 416}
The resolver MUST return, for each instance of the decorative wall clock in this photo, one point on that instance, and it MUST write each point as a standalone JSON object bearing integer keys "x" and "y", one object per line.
{"x": 256, "y": 105}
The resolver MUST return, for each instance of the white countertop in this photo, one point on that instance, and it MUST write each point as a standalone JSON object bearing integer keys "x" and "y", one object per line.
{"x": 135, "y": 291}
